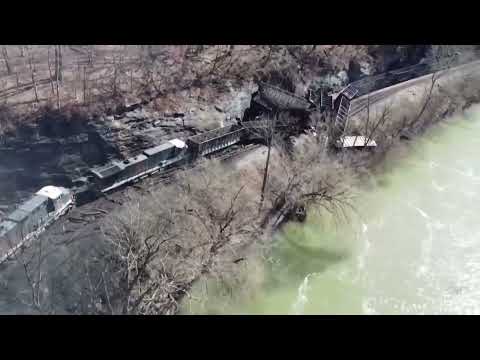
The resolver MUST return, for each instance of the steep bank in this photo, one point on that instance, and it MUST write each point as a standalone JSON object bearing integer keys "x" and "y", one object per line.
{"x": 412, "y": 247}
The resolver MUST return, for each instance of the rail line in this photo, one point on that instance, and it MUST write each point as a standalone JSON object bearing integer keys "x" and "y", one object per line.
{"x": 228, "y": 154}
{"x": 159, "y": 176}
{"x": 361, "y": 103}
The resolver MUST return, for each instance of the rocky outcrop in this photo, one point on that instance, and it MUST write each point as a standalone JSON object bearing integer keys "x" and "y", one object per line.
{"x": 388, "y": 57}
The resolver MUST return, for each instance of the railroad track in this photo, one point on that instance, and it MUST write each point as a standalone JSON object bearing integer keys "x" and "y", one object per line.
{"x": 76, "y": 222}
{"x": 234, "y": 151}
{"x": 359, "y": 104}
{"x": 165, "y": 176}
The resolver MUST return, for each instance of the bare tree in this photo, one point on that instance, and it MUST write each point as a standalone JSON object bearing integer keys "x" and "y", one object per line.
{"x": 31, "y": 263}
{"x": 58, "y": 63}
{"x": 6, "y": 60}
{"x": 118, "y": 69}
{"x": 426, "y": 100}
{"x": 50, "y": 71}
{"x": 31, "y": 64}
{"x": 85, "y": 84}
{"x": 137, "y": 237}
{"x": 412, "y": 122}
{"x": 377, "y": 125}
{"x": 220, "y": 205}
{"x": 267, "y": 132}
{"x": 91, "y": 54}
{"x": 308, "y": 177}
{"x": 58, "y": 72}
{"x": 164, "y": 242}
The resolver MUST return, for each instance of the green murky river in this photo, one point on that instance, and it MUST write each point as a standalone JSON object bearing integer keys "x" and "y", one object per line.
{"x": 413, "y": 248}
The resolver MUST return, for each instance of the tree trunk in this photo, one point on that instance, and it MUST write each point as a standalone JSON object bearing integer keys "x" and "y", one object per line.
{"x": 114, "y": 78}
{"x": 58, "y": 63}
{"x": 267, "y": 59}
{"x": 265, "y": 172}
{"x": 150, "y": 52}
{"x": 56, "y": 80}
{"x": 90, "y": 55}
{"x": 50, "y": 71}
{"x": 267, "y": 162}
{"x": 84, "y": 84}
{"x": 131, "y": 80}
{"x": 32, "y": 69}
{"x": 331, "y": 134}
{"x": 5, "y": 58}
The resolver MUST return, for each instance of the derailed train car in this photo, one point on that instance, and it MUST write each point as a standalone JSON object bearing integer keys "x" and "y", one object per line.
{"x": 215, "y": 140}
{"x": 51, "y": 202}
{"x": 167, "y": 154}
{"x": 31, "y": 217}
{"x": 118, "y": 173}
{"x": 280, "y": 99}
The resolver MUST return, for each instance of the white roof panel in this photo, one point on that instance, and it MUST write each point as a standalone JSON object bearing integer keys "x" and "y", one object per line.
{"x": 178, "y": 143}
{"x": 52, "y": 192}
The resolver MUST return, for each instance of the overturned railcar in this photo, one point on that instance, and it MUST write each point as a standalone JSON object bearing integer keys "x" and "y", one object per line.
{"x": 280, "y": 99}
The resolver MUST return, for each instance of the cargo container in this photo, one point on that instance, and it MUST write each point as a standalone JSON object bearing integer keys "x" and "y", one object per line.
{"x": 214, "y": 140}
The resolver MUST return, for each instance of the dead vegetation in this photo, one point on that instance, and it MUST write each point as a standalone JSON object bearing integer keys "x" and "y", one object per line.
{"x": 308, "y": 179}
{"x": 205, "y": 224}
{"x": 104, "y": 79}
{"x": 157, "y": 245}
{"x": 98, "y": 80}
{"x": 164, "y": 242}
{"x": 408, "y": 117}
{"x": 206, "y": 221}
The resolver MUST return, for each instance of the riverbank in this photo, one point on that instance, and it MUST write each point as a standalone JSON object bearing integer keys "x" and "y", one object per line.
{"x": 278, "y": 283}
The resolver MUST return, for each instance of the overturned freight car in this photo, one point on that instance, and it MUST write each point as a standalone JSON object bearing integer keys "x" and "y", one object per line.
{"x": 280, "y": 99}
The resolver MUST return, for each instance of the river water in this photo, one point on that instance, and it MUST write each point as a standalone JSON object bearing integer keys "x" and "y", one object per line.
{"x": 412, "y": 248}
